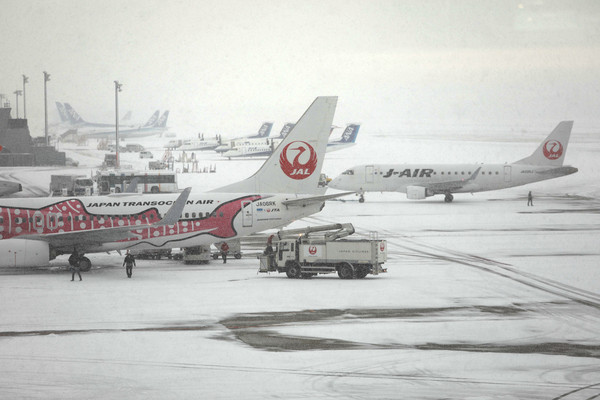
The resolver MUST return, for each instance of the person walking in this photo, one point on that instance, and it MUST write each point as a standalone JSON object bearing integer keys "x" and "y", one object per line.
{"x": 224, "y": 250}
{"x": 129, "y": 262}
{"x": 74, "y": 263}
{"x": 529, "y": 199}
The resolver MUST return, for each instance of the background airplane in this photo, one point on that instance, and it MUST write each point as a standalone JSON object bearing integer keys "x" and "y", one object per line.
{"x": 263, "y": 132}
{"x": 265, "y": 147}
{"x": 424, "y": 180}
{"x": 284, "y": 189}
{"x": 154, "y": 126}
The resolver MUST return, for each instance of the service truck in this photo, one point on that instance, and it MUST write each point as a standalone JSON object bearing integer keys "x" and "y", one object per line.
{"x": 303, "y": 253}
{"x": 71, "y": 185}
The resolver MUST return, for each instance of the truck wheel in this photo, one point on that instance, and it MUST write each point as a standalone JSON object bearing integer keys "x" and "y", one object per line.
{"x": 346, "y": 271}
{"x": 85, "y": 264}
{"x": 293, "y": 271}
{"x": 362, "y": 271}
{"x": 215, "y": 256}
{"x": 237, "y": 256}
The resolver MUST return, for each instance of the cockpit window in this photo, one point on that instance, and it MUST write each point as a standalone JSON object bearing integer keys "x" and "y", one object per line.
{"x": 348, "y": 172}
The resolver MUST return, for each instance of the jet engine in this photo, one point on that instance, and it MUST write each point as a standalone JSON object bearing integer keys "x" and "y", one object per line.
{"x": 24, "y": 253}
{"x": 417, "y": 192}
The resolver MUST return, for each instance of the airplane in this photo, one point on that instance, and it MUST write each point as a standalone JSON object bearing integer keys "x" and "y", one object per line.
{"x": 266, "y": 147}
{"x": 285, "y": 188}
{"x": 421, "y": 181}
{"x": 201, "y": 143}
{"x": 255, "y": 141}
{"x": 154, "y": 126}
{"x": 263, "y": 132}
{"x": 8, "y": 187}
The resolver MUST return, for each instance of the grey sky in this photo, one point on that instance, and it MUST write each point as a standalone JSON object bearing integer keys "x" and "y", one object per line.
{"x": 228, "y": 65}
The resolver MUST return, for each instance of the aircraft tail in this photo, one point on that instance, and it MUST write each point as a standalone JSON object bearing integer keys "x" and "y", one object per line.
{"x": 72, "y": 115}
{"x": 162, "y": 121}
{"x": 553, "y": 149}
{"x": 153, "y": 119}
{"x": 62, "y": 113}
{"x": 295, "y": 165}
{"x": 350, "y": 133}
{"x": 286, "y": 129}
{"x": 264, "y": 131}
{"x": 126, "y": 117}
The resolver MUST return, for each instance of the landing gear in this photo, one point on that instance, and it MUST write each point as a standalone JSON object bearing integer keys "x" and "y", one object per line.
{"x": 84, "y": 263}
{"x": 361, "y": 199}
{"x": 448, "y": 198}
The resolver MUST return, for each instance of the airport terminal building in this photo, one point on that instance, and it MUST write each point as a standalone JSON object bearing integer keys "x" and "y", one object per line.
{"x": 19, "y": 149}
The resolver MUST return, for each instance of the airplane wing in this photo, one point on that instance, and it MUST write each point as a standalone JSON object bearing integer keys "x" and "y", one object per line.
{"x": 305, "y": 201}
{"x": 101, "y": 235}
{"x": 450, "y": 186}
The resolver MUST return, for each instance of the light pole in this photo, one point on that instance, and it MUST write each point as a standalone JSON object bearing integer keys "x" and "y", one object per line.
{"x": 17, "y": 94}
{"x": 46, "y": 79}
{"x": 117, "y": 90}
{"x": 25, "y": 80}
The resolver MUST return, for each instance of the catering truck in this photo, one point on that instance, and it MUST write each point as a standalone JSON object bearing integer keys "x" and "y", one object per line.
{"x": 304, "y": 253}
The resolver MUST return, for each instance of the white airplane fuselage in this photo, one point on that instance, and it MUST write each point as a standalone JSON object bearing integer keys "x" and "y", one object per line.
{"x": 398, "y": 177}
{"x": 206, "y": 218}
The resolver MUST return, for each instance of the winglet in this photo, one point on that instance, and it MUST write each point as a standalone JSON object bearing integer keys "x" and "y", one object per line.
{"x": 172, "y": 216}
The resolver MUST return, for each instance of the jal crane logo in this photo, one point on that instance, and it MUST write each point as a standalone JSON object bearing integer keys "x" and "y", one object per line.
{"x": 382, "y": 246}
{"x": 553, "y": 149}
{"x": 312, "y": 250}
{"x": 303, "y": 165}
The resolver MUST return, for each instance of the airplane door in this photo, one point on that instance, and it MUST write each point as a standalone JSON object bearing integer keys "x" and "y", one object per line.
{"x": 507, "y": 172}
{"x": 369, "y": 169}
{"x": 247, "y": 216}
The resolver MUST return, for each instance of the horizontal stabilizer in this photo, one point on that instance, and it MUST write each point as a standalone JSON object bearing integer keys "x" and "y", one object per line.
{"x": 305, "y": 201}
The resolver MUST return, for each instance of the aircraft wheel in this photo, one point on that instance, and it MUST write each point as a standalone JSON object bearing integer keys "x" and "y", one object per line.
{"x": 361, "y": 199}
{"x": 346, "y": 271}
{"x": 293, "y": 270}
{"x": 85, "y": 264}
{"x": 449, "y": 198}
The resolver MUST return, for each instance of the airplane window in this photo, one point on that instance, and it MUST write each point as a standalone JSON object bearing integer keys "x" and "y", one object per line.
{"x": 348, "y": 172}
{"x": 1, "y": 220}
{"x": 462, "y": 173}
{"x": 469, "y": 172}
{"x": 455, "y": 172}
{"x": 220, "y": 214}
{"x": 207, "y": 214}
{"x": 187, "y": 215}
{"x": 193, "y": 215}
{"x": 496, "y": 172}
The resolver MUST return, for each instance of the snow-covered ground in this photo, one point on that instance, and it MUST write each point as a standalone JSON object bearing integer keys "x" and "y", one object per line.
{"x": 485, "y": 298}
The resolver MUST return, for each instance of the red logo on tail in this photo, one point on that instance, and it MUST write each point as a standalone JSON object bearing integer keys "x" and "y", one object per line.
{"x": 312, "y": 250}
{"x": 553, "y": 149}
{"x": 303, "y": 165}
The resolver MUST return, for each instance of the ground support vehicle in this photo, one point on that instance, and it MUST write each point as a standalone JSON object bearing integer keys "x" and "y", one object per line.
{"x": 154, "y": 254}
{"x": 71, "y": 185}
{"x": 235, "y": 249}
{"x": 196, "y": 255}
{"x": 304, "y": 253}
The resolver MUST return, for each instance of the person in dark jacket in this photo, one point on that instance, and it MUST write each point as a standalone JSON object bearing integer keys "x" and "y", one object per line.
{"x": 530, "y": 199}
{"x": 224, "y": 250}
{"x": 129, "y": 262}
{"x": 74, "y": 263}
